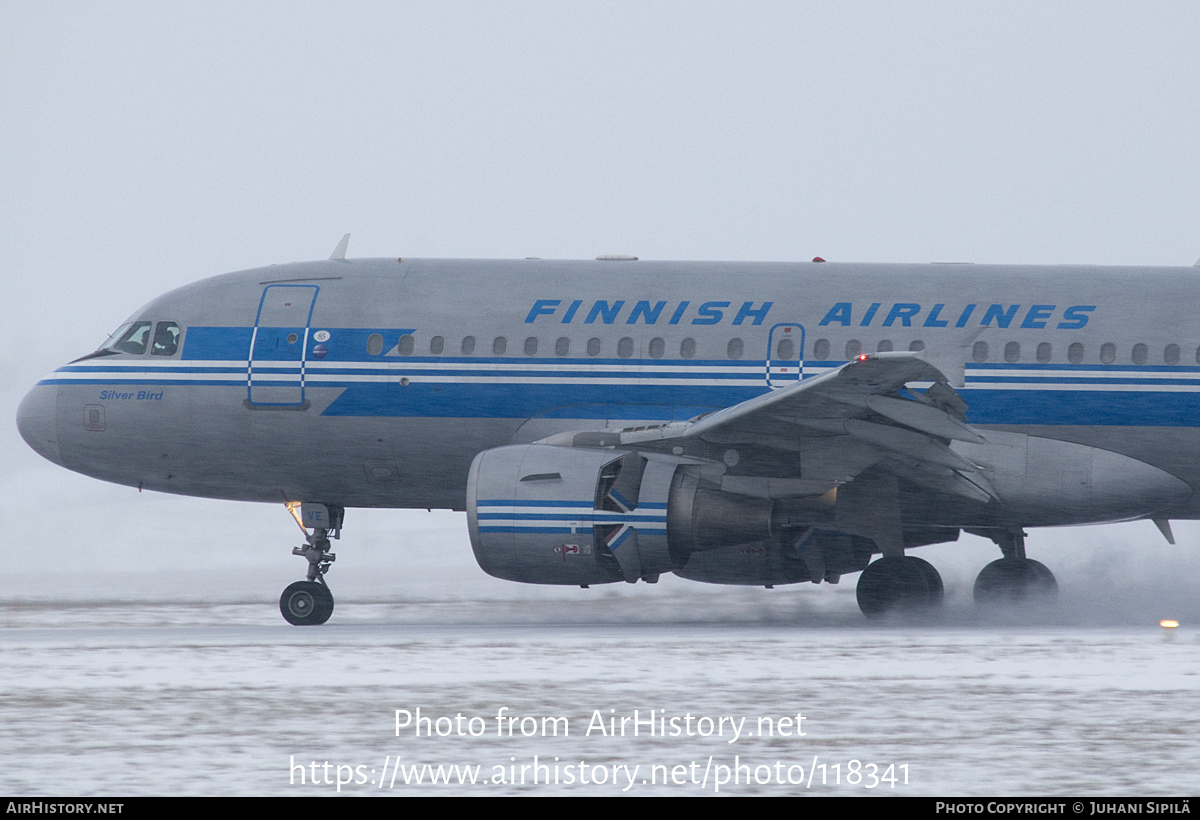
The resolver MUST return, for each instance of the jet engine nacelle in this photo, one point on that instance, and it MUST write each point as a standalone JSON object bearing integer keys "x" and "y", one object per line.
{"x": 816, "y": 555}
{"x": 546, "y": 514}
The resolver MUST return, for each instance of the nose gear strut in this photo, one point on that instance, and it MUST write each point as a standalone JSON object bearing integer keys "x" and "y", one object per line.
{"x": 310, "y": 603}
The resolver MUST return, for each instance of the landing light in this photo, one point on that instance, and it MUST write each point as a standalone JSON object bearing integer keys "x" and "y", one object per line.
{"x": 293, "y": 507}
{"x": 1167, "y": 623}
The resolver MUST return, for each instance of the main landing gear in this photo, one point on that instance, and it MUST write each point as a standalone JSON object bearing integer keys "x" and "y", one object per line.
{"x": 310, "y": 603}
{"x": 899, "y": 585}
{"x": 1013, "y": 578}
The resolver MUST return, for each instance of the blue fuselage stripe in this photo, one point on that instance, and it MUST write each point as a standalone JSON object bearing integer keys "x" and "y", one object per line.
{"x": 656, "y": 390}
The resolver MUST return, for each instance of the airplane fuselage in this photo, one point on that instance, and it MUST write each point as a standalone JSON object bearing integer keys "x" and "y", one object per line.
{"x": 376, "y": 382}
{"x": 609, "y": 420}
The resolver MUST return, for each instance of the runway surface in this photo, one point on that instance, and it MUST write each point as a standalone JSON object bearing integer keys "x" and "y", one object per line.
{"x": 160, "y": 696}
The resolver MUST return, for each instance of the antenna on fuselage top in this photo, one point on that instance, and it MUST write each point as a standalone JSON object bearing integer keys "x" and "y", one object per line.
{"x": 340, "y": 251}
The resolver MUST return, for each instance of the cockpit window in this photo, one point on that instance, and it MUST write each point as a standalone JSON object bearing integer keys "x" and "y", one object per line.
{"x": 130, "y": 338}
{"x": 166, "y": 339}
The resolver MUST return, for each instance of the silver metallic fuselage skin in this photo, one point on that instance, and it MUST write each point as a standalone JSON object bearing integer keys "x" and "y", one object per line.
{"x": 379, "y": 401}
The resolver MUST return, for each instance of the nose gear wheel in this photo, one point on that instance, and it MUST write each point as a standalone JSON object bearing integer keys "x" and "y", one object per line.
{"x": 306, "y": 603}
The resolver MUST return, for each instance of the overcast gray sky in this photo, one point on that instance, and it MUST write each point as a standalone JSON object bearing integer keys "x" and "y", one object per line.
{"x": 150, "y": 144}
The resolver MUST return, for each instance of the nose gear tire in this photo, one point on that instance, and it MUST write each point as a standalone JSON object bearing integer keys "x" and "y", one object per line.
{"x": 306, "y": 603}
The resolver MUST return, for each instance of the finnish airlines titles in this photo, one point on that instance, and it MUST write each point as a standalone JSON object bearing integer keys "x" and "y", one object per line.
{"x": 842, "y": 314}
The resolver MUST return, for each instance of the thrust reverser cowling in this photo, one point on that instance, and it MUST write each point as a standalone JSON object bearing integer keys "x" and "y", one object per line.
{"x": 545, "y": 514}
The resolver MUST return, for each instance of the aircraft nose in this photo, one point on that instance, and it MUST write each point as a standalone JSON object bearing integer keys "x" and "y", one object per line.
{"x": 37, "y": 420}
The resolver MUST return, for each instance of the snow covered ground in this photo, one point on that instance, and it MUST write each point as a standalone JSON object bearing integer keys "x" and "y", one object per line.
{"x": 131, "y": 693}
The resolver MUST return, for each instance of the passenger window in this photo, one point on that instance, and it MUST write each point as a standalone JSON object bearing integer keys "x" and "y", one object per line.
{"x": 468, "y": 345}
{"x": 499, "y": 346}
{"x": 734, "y": 349}
{"x": 166, "y": 339}
{"x": 687, "y": 348}
{"x": 593, "y": 347}
{"x": 1043, "y": 352}
{"x": 884, "y": 346}
{"x": 1171, "y": 354}
{"x": 436, "y": 345}
{"x": 916, "y": 345}
{"x": 658, "y": 347}
{"x": 1012, "y": 352}
{"x": 785, "y": 350}
{"x": 531, "y": 346}
{"x": 407, "y": 344}
{"x": 562, "y": 347}
{"x": 1140, "y": 353}
{"x": 979, "y": 352}
{"x": 821, "y": 350}
{"x": 131, "y": 338}
{"x": 853, "y": 348}
{"x": 625, "y": 348}
{"x": 374, "y": 344}
{"x": 1075, "y": 353}
{"x": 1108, "y": 352}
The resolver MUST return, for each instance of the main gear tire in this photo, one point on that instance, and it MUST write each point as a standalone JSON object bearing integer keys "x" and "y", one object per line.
{"x": 898, "y": 585}
{"x": 1015, "y": 580}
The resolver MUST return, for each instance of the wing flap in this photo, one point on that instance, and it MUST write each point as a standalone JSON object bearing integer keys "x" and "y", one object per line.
{"x": 831, "y": 428}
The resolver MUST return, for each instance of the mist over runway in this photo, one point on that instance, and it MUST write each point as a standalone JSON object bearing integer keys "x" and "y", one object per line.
{"x": 144, "y": 654}
{"x": 149, "y": 696}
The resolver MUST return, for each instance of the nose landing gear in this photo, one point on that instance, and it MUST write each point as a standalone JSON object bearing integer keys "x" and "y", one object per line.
{"x": 310, "y": 603}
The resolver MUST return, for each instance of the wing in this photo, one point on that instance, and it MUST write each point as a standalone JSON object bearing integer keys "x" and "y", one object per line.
{"x": 893, "y": 412}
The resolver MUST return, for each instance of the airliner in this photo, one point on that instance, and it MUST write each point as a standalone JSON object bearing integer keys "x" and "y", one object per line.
{"x": 611, "y": 420}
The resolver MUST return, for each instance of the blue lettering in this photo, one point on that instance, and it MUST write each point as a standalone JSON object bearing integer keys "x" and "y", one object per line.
{"x": 643, "y": 309}
{"x": 710, "y": 313}
{"x": 870, "y": 315}
{"x": 542, "y": 306}
{"x": 965, "y": 317}
{"x": 675, "y": 317}
{"x": 932, "y": 319}
{"x": 839, "y": 313}
{"x": 608, "y": 314}
{"x": 1003, "y": 319}
{"x": 1075, "y": 318}
{"x": 748, "y": 311}
{"x": 902, "y": 311}
{"x": 570, "y": 314}
{"x": 1037, "y": 316}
